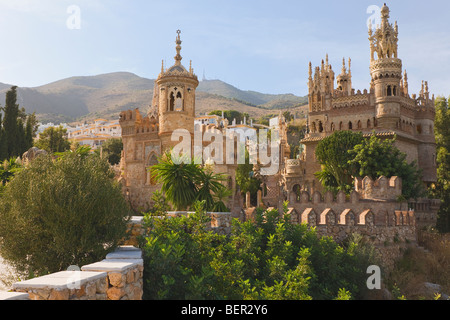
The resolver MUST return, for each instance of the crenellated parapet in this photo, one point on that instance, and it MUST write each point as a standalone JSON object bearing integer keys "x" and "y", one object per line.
{"x": 381, "y": 188}
{"x": 351, "y": 217}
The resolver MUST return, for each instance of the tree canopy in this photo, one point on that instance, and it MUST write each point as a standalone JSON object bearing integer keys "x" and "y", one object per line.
{"x": 53, "y": 140}
{"x": 441, "y": 189}
{"x": 17, "y": 128}
{"x": 60, "y": 212}
{"x": 375, "y": 157}
{"x": 346, "y": 154}
{"x": 333, "y": 154}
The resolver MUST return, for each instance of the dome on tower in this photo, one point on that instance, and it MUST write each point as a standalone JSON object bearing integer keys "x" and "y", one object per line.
{"x": 178, "y": 69}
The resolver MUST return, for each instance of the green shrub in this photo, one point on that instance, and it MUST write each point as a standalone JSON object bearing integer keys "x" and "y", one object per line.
{"x": 269, "y": 259}
{"x": 58, "y": 213}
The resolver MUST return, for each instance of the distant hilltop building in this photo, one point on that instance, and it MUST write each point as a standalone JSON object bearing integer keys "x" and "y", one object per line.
{"x": 96, "y": 133}
{"x": 387, "y": 108}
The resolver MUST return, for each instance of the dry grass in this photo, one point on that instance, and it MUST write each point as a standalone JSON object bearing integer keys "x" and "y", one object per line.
{"x": 419, "y": 266}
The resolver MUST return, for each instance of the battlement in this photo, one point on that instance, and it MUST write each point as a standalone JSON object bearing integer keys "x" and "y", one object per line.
{"x": 381, "y": 188}
{"x": 349, "y": 217}
{"x": 133, "y": 123}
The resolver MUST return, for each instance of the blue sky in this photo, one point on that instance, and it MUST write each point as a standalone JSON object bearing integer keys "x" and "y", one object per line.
{"x": 254, "y": 45}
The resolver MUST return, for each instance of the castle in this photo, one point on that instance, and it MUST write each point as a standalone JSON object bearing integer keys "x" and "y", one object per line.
{"x": 386, "y": 109}
{"x": 146, "y": 138}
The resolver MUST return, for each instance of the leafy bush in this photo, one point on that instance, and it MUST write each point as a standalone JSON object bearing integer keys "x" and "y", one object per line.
{"x": 270, "y": 259}
{"x": 57, "y": 213}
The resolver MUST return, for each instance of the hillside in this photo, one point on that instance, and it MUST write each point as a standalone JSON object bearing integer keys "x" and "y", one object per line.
{"x": 106, "y": 95}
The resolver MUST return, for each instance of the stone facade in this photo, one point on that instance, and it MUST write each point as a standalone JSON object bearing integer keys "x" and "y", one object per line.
{"x": 387, "y": 109}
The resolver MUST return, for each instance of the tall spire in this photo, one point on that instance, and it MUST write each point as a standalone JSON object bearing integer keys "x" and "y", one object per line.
{"x": 178, "y": 57}
{"x": 384, "y": 41}
{"x": 349, "y": 66}
{"x": 344, "y": 70}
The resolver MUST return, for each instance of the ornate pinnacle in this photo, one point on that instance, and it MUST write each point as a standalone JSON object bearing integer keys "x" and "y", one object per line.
{"x": 178, "y": 41}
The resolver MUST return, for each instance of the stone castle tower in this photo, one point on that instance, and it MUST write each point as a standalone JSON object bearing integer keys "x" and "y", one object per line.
{"x": 386, "y": 71}
{"x": 174, "y": 98}
{"x": 387, "y": 108}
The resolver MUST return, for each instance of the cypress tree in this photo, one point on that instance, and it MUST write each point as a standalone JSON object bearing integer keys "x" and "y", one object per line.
{"x": 17, "y": 129}
{"x": 10, "y": 122}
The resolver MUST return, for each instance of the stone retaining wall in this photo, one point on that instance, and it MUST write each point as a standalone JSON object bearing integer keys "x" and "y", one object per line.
{"x": 118, "y": 277}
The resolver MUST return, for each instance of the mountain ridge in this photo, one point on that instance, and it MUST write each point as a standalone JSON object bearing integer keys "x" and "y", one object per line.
{"x": 84, "y": 98}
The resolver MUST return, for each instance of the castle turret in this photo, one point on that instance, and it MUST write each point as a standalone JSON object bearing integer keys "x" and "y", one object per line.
{"x": 321, "y": 86}
{"x": 386, "y": 71}
{"x": 176, "y": 98}
{"x": 344, "y": 80}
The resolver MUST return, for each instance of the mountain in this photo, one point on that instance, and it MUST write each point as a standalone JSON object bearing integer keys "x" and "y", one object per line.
{"x": 105, "y": 96}
{"x": 268, "y": 101}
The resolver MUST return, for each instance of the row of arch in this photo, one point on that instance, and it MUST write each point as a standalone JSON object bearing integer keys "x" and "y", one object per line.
{"x": 319, "y": 127}
{"x": 349, "y": 218}
{"x": 147, "y": 129}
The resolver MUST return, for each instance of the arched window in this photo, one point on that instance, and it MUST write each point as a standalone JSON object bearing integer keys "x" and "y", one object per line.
{"x": 350, "y": 126}
{"x": 359, "y": 124}
{"x": 176, "y": 102}
{"x": 341, "y": 126}
{"x": 151, "y": 161}
{"x": 368, "y": 123}
{"x": 313, "y": 127}
{"x": 320, "y": 126}
{"x": 389, "y": 91}
{"x": 171, "y": 102}
{"x": 179, "y": 102}
{"x": 332, "y": 127}
{"x": 297, "y": 190}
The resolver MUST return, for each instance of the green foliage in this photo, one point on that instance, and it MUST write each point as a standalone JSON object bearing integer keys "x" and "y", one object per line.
{"x": 57, "y": 213}
{"x": 17, "y": 129}
{"x": 209, "y": 184}
{"x": 245, "y": 178}
{"x": 345, "y": 155}
{"x": 269, "y": 259}
{"x": 7, "y": 171}
{"x": 53, "y": 140}
{"x": 231, "y": 115}
{"x": 177, "y": 180}
{"x": 112, "y": 150}
{"x": 441, "y": 189}
{"x": 333, "y": 154}
{"x": 375, "y": 157}
{"x": 185, "y": 182}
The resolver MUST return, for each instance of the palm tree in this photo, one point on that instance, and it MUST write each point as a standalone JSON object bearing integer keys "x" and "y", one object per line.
{"x": 209, "y": 184}
{"x": 185, "y": 182}
{"x": 178, "y": 180}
